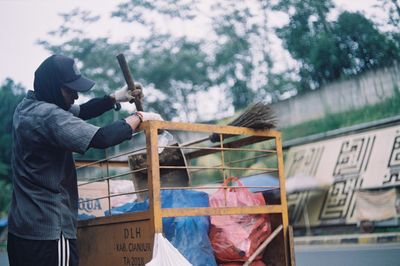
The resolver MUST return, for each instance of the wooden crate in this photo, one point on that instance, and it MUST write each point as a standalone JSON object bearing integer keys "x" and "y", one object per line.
{"x": 127, "y": 239}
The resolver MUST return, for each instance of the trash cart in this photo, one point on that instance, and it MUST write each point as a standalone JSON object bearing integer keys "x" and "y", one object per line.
{"x": 127, "y": 238}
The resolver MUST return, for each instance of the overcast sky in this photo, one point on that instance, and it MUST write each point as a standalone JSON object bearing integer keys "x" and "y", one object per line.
{"x": 23, "y": 22}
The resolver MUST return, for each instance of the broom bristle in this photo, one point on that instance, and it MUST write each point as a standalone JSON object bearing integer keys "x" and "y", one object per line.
{"x": 257, "y": 116}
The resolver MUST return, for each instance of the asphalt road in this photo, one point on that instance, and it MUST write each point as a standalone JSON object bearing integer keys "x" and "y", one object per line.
{"x": 348, "y": 254}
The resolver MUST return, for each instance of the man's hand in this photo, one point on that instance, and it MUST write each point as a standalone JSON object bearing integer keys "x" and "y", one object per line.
{"x": 133, "y": 121}
{"x": 125, "y": 95}
{"x": 138, "y": 117}
{"x": 146, "y": 116}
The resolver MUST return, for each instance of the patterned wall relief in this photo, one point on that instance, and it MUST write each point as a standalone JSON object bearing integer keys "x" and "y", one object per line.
{"x": 353, "y": 157}
{"x": 296, "y": 202}
{"x": 392, "y": 176}
{"x": 339, "y": 201}
{"x": 350, "y": 165}
{"x": 305, "y": 161}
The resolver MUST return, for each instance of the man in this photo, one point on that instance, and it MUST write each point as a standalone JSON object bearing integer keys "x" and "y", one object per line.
{"x": 47, "y": 128}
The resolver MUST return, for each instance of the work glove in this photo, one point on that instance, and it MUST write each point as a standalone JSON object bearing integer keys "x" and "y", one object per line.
{"x": 143, "y": 116}
{"x": 125, "y": 95}
{"x": 146, "y": 116}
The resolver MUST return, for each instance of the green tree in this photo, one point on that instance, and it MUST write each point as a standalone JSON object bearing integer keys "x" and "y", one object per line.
{"x": 243, "y": 60}
{"x": 234, "y": 57}
{"x": 11, "y": 94}
{"x": 362, "y": 44}
{"x": 233, "y": 61}
{"x": 177, "y": 70}
{"x": 392, "y": 7}
{"x": 144, "y": 11}
{"x": 173, "y": 68}
{"x": 306, "y": 36}
{"x": 329, "y": 50}
{"x": 5, "y": 197}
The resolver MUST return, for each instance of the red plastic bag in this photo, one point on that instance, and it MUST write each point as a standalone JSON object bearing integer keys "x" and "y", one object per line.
{"x": 254, "y": 263}
{"x": 236, "y": 237}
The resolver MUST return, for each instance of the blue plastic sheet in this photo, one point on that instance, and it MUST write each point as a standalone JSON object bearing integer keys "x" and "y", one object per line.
{"x": 84, "y": 216}
{"x": 188, "y": 234}
{"x": 3, "y": 222}
{"x": 129, "y": 207}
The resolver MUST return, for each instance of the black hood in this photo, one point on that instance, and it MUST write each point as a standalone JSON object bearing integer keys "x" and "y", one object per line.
{"x": 47, "y": 83}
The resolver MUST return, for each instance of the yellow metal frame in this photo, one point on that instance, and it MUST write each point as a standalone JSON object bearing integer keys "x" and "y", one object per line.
{"x": 155, "y": 213}
{"x": 151, "y": 129}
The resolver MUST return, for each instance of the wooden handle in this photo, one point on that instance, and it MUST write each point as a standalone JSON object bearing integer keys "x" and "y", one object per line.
{"x": 129, "y": 80}
{"x": 263, "y": 245}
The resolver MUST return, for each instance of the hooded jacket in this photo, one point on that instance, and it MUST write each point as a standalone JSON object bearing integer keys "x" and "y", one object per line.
{"x": 47, "y": 83}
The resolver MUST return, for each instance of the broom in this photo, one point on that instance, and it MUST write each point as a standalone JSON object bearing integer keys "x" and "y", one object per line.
{"x": 257, "y": 116}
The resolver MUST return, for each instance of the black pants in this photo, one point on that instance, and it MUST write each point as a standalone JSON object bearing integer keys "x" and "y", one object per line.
{"x": 26, "y": 252}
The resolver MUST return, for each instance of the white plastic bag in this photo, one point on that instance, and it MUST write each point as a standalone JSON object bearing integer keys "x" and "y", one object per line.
{"x": 164, "y": 139}
{"x": 165, "y": 254}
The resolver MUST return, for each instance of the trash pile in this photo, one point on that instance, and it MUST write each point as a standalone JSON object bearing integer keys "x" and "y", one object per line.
{"x": 203, "y": 240}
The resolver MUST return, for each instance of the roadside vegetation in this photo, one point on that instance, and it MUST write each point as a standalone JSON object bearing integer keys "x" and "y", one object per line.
{"x": 385, "y": 109}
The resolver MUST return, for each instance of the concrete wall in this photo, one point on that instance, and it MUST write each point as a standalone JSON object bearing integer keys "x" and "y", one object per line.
{"x": 366, "y": 89}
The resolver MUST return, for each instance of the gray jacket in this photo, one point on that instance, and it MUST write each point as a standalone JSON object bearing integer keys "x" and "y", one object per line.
{"x": 45, "y": 195}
